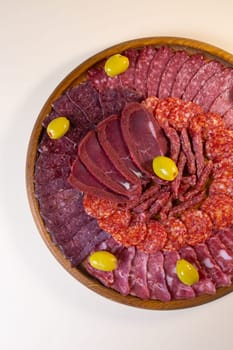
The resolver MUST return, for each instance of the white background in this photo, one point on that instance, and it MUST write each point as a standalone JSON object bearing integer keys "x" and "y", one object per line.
{"x": 41, "y": 305}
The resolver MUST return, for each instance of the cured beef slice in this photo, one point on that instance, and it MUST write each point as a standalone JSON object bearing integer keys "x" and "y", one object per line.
{"x": 156, "y": 278}
{"x": 198, "y": 80}
{"x": 221, "y": 255}
{"x": 177, "y": 289}
{"x": 223, "y": 102}
{"x": 128, "y": 77}
{"x": 156, "y": 69}
{"x": 111, "y": 140}
{"x": 96, "y": 161}
{"x": 185, "y": 74}
{"x": 60, "y": 146}
{"x": 143, "y": 63}
{"x": 138, "y": 276}
{"x": 143, "y": 136}
{"x": 213, "y": 88}
{"x": 51, "y": 188}
{"x": 170, "y": 72}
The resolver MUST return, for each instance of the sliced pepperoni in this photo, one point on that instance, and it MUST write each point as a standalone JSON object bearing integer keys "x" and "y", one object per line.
{"x": 223, "y": 168}
{"x": 209, "y": 124}
{"x": 181, "y": 114}
{"x": 198, "y": 224}
{"x": 219, "y": 207}
{"x": 222, "y": 185}
{"x": 118, "y": 220}
{"x": 97, "y": 207}
{"x": 176, "y": 233}
{"x": 150, "y": 103}
{"x": 155, "y": 238}
{"x": 220, "y": 145}
{"x": 163, "y": 109}
{"x": 131, "y": 236}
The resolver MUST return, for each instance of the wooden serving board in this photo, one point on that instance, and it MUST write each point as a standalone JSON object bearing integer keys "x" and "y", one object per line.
{"x": 75, "y": 77}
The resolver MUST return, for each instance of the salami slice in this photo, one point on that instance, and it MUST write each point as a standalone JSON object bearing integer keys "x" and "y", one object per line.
{"x": 181, "y": 114}
{"x": 226, "y": 237}
{"x": 186, "y": 146}
{"x": 98, "y": 77}
{"x": 221, "y": 255}
{"x": 127, "y": 78}
{"x": 223, "y": 186}
{"x": 143, "y": 63}
{"x": 220, "y": 210}
{"x": 198, "y": 224}
{"x": 59, "y": 146}
{"x": 220, "y": 145}
{"x": 223, "y": 169}
{"x": 97, "y": 207}
{"x": 155, "y": 238}
{"x": 209, "y": 124}
{"x": 150, "y": 103}
{"x": 133, "y": 235}
{"x": 223, "y": 102}
{"x": 228, "y": 119}
{"x": 176, "y": 233}
{"x": 176, "y": 183}
{"x": 118, "y": 221}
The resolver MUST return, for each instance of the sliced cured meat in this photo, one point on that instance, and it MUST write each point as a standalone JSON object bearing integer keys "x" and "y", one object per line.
{"x": 163, "y": 109}
{"x": 176, "y": 233}
{"x": 61, "y": 199}
{"x": 176, "y": 183}
{"x": 111, "y": 139}
{"x": 113, "y": 82}
{"x": 138, "y": 276}
{"x": 223, "y": 169}
{"x": 219, "y": 207}
{"x": 143, "y": 63}
{"x": 181, "y": 114}
{"x": 98, "y": 77}
{"x": 174, "y": 139}
{"x": 130, "y": 236}
{"x": 213, "y": 88}
{"x": 205, "y": 72}
{"x": 82, "y": 179}
{"x": 169, "y": 74}
{"x": 223, "y": 102}
{"x": 156, "y": 278}
{"x": 158, "y": 204}
{"x": 121, "y": 274}
{"x": 221, "y": 255}
{"x": 128, "y": 77}
{"x": 143, "y": 136}
{"x": 198, "y": 224}
{"x": 155, "y": 238}
{"x": 204, "y": 285}
{"x": 188, "y": 204}
{"x": 186, "y": 146}
{"x": 222, "y": 186}
{"x": 186, "y": 73}
{"x": 219, "y": 278}
{"x": 150, "y": 103}
{"x": 228, "y": 119}
{"x": 198, "y": 151}
{"x": 59, "y": 146}
{"x": 116, "y": 223}
{"x": 177, "y": 289}
{"x": 96, "y": 161}
{"x": 42, "y": 191}
{"x": 97, "y": 207}
{"x": 226, "y": 236}
{"x": 157, "y": 66}
{"x": 209, "y": 124}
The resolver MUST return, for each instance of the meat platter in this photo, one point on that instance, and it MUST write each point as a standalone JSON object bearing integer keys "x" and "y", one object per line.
{"x": 97, "y": 187}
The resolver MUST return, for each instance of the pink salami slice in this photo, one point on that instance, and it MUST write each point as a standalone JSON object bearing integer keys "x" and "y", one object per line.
{"x": 156, "y": 278}
{"x": 138, "y": 276}
{"x": 226, "y": 236}
{"x": 213, "y": 88}
{"x": 177, "y": 289}
{"x": 121, "y": 274}
{"x": 219, "y": 278}
{"x": 186, "y": 73}
{"x": 169, "y": 74}
{"x": 145, "y": 56}
{"x": 220, "y": 253}
{"x": 157, "y": 66}
{"x": 223, "y": 102}
{"x": 198, "y": 80}
{"x": 128, "y": 77}
{"x": 98, "y": 77}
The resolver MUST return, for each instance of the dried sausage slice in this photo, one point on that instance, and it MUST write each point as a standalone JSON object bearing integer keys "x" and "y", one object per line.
{"x": 198, "y": 224}
{"x": 219, "y": 207}
{"x": 141, "y": 70}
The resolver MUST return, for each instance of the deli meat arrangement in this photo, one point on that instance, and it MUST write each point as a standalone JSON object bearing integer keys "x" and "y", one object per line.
{"x": 134, "y": 173}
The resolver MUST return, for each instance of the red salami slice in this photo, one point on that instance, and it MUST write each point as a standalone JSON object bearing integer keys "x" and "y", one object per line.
{"x": 220, "y": 253}
{"x": 131, "y": 236}
{"x": 155, "y": 238}
{"x": 223, "y": 169}
{"x": 181, "y": 114}
{"x": 198, "y": 80}
{"x": 223, "y": 186}
{"x": 97, "y": 207}
{"x": 228, "y": 119}
{"x": 209, "y": 124}
{"x": 223, "y": 102}
{"x": 163, "y": 109}
{"x": 220, "y": 145}
{"x": 176, "y": 233}
{"x": 156, "y": 278}
{"x": 157, "y": 66}
{"x": 198, "y": 224}
{"x": 115, "y": 223}
{"x": 185, "y": 74}
{"x": 186, "y": 146}
{"x": 150, "y": 103}
{"x": 169, "y": 74}
{"x": 128, "y": 77}
{"x": 220, "y": 210}
{"x": 138, "y": 276}
{"x": 143, "y": 63}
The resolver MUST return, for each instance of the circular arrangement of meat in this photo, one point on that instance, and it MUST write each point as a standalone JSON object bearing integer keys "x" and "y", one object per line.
{"x": 97, "y": 190}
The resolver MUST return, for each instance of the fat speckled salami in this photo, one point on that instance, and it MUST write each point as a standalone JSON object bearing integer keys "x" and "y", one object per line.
{"x": 128, "y": 77}
{"x": 141, "y": 69}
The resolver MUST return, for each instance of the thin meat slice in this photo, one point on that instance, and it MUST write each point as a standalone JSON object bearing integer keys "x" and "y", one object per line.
{"x": 138, "y": 276}
{"x": 205, "y": 72}
{"x": 156, "y": 278}
{"x": 176, "y": 183}
{"x": 226, "y": 236}
{"x": 143, "y": 63}
{"x": 97, "y": 77}
{"x": 204, "y": 285}
{"x": 213, "y": 88}
{"x": 228, "y": 119}
{"x": 174, "y": 139}
{"x": 185, "y": 74}
{"x": 220, "y": 253}
{"x": 156, "y": 69}
{"x": 127, "y": 78}
{"x": 59, "y": 146}
{"x": 177, "y": 289}
{"x": 169, "y": 74}
{"x": 143, "y": 136}
{"x": 198, "y": 151}
{"x": 187, "y": 149}
{"x": 219, "y": 278}
{"x": 223, "y": 102}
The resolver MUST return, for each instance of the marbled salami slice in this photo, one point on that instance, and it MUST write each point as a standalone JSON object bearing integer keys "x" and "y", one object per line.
{"x": 220, "y": 253}
{"x": 223, "y": 186}
{"x": 138, "y": 276}
{"x": 128, "y": 77}
{"x": 155, "y": 238}
{"x": 157, "y": 66}
{"x": 219, "y": 278}
{"x": 176, "y": 233}
{"x": 226, "y": 236}
{"x": 186, "y": 73}
{"x": 98, "y": 77}
{"x": 156, "y": 278}
{"x": 219, "y": 207}
{"x": 198, "y": 224}
{"x": 223, "y": 102}
{"x": 143, "y": 63}
{"x": 169, "y": 74}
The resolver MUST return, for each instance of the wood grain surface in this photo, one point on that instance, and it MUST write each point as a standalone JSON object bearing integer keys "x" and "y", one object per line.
{"x": 76, "y": 76}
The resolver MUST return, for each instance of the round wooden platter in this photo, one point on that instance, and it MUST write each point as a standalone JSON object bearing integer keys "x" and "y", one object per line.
{"x": 74, "y": 78}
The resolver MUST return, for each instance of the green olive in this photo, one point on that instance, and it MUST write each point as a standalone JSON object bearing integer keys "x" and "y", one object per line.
{"x": 103, "y": 260}
{"x": 165, "y": 168}
{"x": 116, "y": 64}
{"x": 58, "y": 127}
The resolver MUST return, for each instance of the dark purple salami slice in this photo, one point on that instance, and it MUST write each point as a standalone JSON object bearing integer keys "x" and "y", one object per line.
{"x": 143, "y": 63}
{"x": 213, "y": 88}
{"x": 98, "y": 77}
{"x": 198, "y": 80}
{"x": 177, "y": 289}
{"x": 170, "y": 72}
{"x": 138, "y": 276}
{"x": 223, "y": 102}
{"x": 128, "y": 77}
{"x": 186, "y": 73}
{"x": 157, "y": 66}
{"x": 220, "y": 253}
{"x": 219, "y": 278}
{"x": 204, "y": 285}
{"x": 156, "y": 278}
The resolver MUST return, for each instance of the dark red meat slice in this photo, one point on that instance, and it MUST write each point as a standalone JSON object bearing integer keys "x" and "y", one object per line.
{"x": 128, "y": 77}
{"x": 198, "y": 80}
{"x": 174, "y": 139}
{"x": 204, "y": 285}
{"x": 158, "y": 204}
{"x": 60, "y": 146}
{"x": 98, "y": 77}
{"x": 177, "y": 289}
{"x": 213, "y": 88}
{"x": 169, "y": 74}
{"x": 143, "y": 63}
{"x": 138, "y": 276}
{"x": 187, "y": 149}
{"x": 157, "y": 66}
{"x": 143, "y": 136}
{"x": 156, "y": 278}
{"x": 220, "y": 253}
{"x": 223, "y": 102}
{"x": 122, "y": 273}
{"x": 111, "y": 139}
{"x": 219, "y": 207}
{"x": 219, "y": 278}
{"x": 185, "y": 74}
{"x": 96, "y": 161}
{"x": 188, "y": 204}
{"x": 226, "y": 236}
{"x": 223, "y": 186}
{"x": 176, "y": 183}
